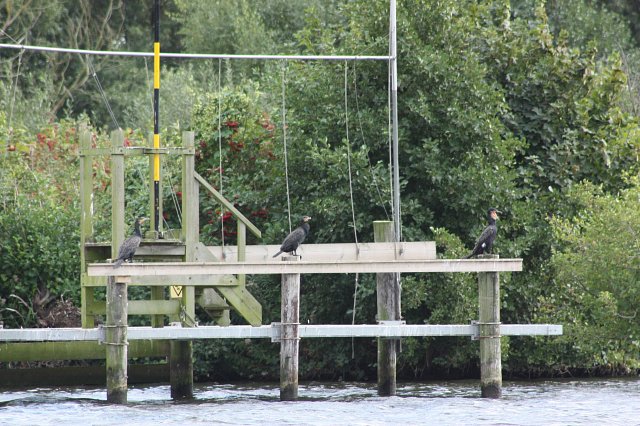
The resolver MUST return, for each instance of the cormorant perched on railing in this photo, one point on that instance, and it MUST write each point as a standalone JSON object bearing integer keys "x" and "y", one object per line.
{"x": 485, "y": 241}
{"x": 295, "y": 238}
{"x": 129, "y": 246}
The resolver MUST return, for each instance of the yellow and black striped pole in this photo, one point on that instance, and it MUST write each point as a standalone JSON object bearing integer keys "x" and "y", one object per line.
{"x": 156, "y": 116}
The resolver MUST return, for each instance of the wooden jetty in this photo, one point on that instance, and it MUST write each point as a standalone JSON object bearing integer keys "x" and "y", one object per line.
{"x": 214, "y": 278}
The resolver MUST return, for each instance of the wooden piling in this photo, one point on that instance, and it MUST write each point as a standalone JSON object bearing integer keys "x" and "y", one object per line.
{"x": 388, "y": 298}
{"x": 181, "y": 369}
{"x": 489, "y": 332}
{"x": 116, "y": 340}
{"x": 181, "y": 356}
{"x": 289, "y": 343}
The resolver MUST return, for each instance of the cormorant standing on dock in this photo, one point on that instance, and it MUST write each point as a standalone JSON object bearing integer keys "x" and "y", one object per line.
{"x": 129, "y": 246}
{"x": 485, "y": 241}
{"x": 295, "y": 238}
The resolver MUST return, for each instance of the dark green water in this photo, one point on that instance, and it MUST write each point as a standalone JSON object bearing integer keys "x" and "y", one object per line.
{"x": 552, "y": 402}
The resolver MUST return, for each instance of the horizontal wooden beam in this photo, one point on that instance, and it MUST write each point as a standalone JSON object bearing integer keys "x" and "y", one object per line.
{"x": 142, "y": 307}
{"x": 174, "y": 271}
{"x": 418, "y": 250}
{"x": 69, "y": 344}
{"x": 273, "y": 331}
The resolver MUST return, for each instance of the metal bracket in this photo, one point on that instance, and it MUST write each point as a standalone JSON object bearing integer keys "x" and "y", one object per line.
{"x": 102, "y": 334}
{"x": 476, "y": 330}
{"x": 276, "y": 335}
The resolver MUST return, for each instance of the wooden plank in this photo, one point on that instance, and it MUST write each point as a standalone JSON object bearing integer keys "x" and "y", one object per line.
{"x": 420, "y": 250}
{"x": 143, "y": 307}
{"x": 144, "y": 334}
{"x": 237, "y": 296}
{"x": 95, "y": 375}
{"x": 73, "y": 350}
{"x": 175, "y": 270}
{"x": 227, "y": 205}
{"x": 163, "y": 281}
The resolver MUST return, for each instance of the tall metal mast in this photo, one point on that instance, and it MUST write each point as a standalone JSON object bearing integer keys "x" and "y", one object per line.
{"x": 393, "y": 63}
{"x": 156, "y": 116}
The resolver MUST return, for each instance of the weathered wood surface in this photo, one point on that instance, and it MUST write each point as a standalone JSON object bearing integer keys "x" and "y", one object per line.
{"x": 180, "y": 272}
{"x": 116, "y": 341}
{"x": 489, "y": 328}
{"x": 388, "y": 309}
{"x": 267, "y": 332}
{"x": 420, "y": 250}
{"x": 289, "y": 339}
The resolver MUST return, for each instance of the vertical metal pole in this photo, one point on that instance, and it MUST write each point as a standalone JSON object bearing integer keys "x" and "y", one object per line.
{"x": 489, "y": 328}
{"x": 289, "y": 343}
{"x": 156, "y": 116}
{"x": 393, "y": 53}
{"x": 394, "y": 118}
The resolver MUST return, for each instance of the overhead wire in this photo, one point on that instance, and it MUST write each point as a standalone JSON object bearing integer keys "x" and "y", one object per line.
{"x": 220, "y": 149}
{"x": 353, "y": 210}
{"x": 284, "y": 142}
{"x": 94, "y": 74}
{"x": 364, "y": 141}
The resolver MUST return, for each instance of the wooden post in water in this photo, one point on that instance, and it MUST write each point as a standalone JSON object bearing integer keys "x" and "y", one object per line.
{"x": 116, "y": 339}
{"x": 181, "y": 356}
{"x": 289, "y": 337}
{"x": 489, "y": 328}
{"x": 388, "y": 297}
{"x": 181, "y": 369}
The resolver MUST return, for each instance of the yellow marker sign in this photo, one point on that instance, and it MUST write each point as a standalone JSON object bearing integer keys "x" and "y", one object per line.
{"x": 176, "y": 291}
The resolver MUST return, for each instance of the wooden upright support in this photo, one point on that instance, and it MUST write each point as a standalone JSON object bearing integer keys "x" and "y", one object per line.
{"x": 388, "y": 296}
{"x": 116, "y": 340}
{"x": 86, "y": 222}
{"x": 181, "y": 359}
{"x": 489, "y": 328}
{"x": 290, "y": 340}
{"x": 117, "y": 192}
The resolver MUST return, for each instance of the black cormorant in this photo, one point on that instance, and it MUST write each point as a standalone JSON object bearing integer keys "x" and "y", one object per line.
{"x": 485, "y": 241}
{"x": 295, "y": 238}
{"x": 129, "y": 246}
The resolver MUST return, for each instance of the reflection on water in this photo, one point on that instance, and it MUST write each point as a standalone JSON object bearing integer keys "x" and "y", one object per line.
{"x": 552, "y": 402}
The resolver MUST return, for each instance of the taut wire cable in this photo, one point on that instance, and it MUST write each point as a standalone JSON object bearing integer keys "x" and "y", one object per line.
{"x": 284, "y": 140}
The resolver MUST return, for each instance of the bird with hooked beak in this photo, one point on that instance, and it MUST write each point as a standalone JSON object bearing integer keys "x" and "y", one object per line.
{"x": 485, "y": 240}
{"x": 295, "y": 238}
{"x": 130, "y": 245}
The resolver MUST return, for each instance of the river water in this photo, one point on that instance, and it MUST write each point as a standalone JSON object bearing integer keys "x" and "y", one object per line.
{"x": 550, "y": 402}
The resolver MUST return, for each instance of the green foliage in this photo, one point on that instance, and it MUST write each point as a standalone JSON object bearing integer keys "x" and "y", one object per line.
{"x": 39, "y": 223}
{"x": 498, "y": 106}
{"x": 235, "y": 153}
{"x": 597, "y": 272}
